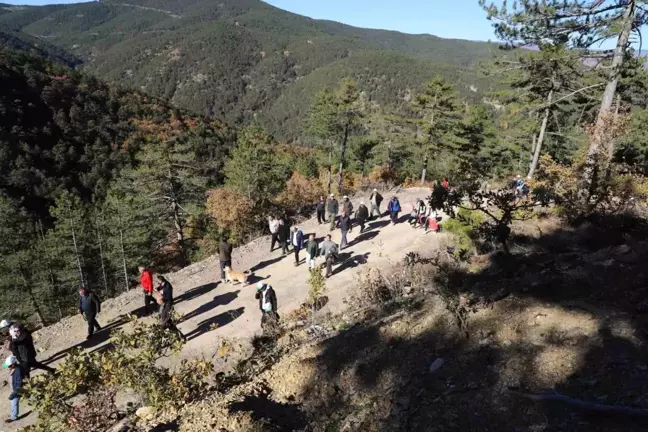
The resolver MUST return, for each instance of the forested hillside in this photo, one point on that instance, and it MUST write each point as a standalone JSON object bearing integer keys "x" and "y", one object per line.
{"x": 86, "y": 174}
{"x": 234, "y": 59}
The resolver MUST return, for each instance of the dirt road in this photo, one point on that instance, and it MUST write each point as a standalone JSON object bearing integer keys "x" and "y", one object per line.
{"x": 213, "y": 310}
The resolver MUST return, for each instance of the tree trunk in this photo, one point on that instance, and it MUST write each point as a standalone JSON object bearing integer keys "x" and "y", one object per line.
{"x": 424, "y": 172}
{"x": 101, "y": 258}
{"x": 78, "y": 257}
{"x": 330, "y": 172}
{"x": 534, "y": 140}
{"x": 342, "y": 155}
{"x": 121, "y": 245}
{"x": 29, "y": 287}
{"x": 541, "y": 136}
{"x": 600, "y": 148}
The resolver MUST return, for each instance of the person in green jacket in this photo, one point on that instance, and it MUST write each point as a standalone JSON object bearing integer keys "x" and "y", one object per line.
{"x": 312, "y": 250}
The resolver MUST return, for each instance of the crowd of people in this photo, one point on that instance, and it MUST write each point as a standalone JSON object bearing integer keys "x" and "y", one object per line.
{"x": 158, "y": 291}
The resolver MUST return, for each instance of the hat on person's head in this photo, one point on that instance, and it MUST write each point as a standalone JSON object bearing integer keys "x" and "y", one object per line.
{"x": 259, "y": 286}
{"x": 346, "y": 197}
{"x": 332, "y": 195}
{"x": 375, "y": 190}
{"x": 10, "y": 361}
{"x": 361, "y": 202}
{"x": 4, "y": 324}
{"x": 14, "y": 331}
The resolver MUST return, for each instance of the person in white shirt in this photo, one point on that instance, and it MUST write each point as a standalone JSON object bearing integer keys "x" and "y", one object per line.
{"x": 273, "y": 224}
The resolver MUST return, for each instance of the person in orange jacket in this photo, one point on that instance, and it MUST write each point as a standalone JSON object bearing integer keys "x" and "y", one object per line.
{"x": 146, "y": 280}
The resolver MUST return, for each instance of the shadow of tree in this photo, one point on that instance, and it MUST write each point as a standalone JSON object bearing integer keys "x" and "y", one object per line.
{"x": 373, "y": 374}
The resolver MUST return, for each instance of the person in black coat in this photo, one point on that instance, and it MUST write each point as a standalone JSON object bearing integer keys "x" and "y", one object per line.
{"x": 284, "y": 235}
{"x": 22, "y": 347}
{"x": 267, "y": 303}
{"x": 362, "y": 214}
{"x": 224, "y": 256}
{"x": 321, "y": 211}
{"x": 166, "y": 312}
{"x": 89, "y": 307}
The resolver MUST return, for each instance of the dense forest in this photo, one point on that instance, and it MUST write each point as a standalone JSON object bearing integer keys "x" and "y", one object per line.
{"x": 239, "y": 60}
{"x": 96, "y": 180}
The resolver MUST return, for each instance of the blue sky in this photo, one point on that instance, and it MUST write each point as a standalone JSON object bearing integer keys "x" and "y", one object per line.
{"x": 461, "y": 19}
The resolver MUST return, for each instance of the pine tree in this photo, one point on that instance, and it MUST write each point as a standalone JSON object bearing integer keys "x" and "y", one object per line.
{"x": 539, "y": 85}
{"x": 333, "y": 117}
{"x": 580, "y": 25}
{"x": 252, "y": 169}
{"x": 437, "y": 116}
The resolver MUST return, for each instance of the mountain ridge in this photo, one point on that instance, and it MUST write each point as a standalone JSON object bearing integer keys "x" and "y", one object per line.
{"x": 235, "y": 59}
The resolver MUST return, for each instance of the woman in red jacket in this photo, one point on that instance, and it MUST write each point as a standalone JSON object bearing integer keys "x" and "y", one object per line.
{"x": 146, "y": 279}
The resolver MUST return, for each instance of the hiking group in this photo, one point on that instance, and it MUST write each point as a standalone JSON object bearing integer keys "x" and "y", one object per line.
{"x": 158, "y": 291}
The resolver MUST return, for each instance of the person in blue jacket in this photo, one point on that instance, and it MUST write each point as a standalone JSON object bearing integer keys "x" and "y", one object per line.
{"x": 394, "y": 207}
{"x": 16, "y": 371}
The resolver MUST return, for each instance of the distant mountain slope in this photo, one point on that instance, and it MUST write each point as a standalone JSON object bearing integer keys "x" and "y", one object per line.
{"x": 236, "y": 58}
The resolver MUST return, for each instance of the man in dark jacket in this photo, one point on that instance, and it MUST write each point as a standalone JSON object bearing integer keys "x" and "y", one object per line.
{"x": 166, "y": 312}
{"x": 297, "y": 242}
{"x": 375, "y": 200}
{"x": 284, "y": 235}
{"x": 321, "y": 211}
{"x": 345, "y": 228}
{"x": 22, "y": 347}
{"x": 394, "y": 207}
{"x": 224, "y": 256}
{"x": 362, "y": 215}
{"x": 347, "y": 206}
{"x": 267, "y": 303}
{"x": 332, "y": 208}
{"x": 89, "y": 307}
{"x": 312, "y": 250}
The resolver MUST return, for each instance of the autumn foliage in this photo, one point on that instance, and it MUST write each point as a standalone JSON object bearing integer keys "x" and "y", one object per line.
{"x": 300, "y": 192}
{"x": 232, "y": 212}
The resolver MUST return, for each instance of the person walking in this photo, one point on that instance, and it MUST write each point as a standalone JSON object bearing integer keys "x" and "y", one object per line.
{"x": 394, "y": 207}
{"x": 22, "y": 347}
{"x": 312, "y": 250}
{"x": 17, "y": 376}
{"x": 267, "y": 304}
{"x": 89, "y": 307}
{"x": 375, "y": 200}
{"x": 332, "y": 208}
{"x": 283, "y": 235}
{"x": 146, "y": 280}
{"x": 297, "y": 241}
{"x": 329, "y": 250}
{"x": 445, "y": 184}
{"x": 345, "y": 227}
{"x": 166, "y": 312}
{"x": 273, "y": 224}
{"x": 321, "y": 210}
{"x": 362, "y": 214}
{"x": 224, "y": 256}
{"x": 347, "y": 206}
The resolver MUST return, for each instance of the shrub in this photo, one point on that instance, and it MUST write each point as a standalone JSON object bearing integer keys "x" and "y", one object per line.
{"x": 93, "y": 379}
{"x": 300, "y": 193}
{"x": 232, "y": 212}
{"x": 465, "y": 228}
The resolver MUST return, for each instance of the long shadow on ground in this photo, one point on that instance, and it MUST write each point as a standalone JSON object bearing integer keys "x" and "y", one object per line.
{"x": 219, "y": 300}
{"x": 215, "y": 322}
